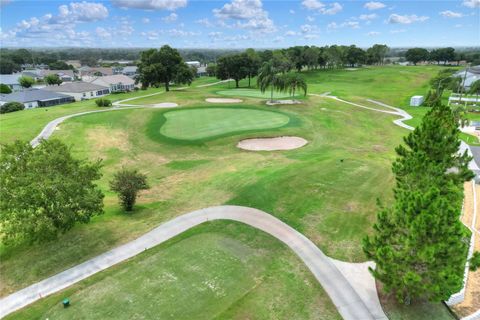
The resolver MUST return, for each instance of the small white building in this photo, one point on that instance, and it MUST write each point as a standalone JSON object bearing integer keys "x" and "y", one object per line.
{"x": 416, "y": 101}
{"x": 80, "y": 90}
{"x": 116, "y": 83}
{"x": 195, "y": 64}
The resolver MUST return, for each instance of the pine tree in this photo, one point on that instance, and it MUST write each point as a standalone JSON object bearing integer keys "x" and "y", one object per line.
{"x": 419, "y": 244}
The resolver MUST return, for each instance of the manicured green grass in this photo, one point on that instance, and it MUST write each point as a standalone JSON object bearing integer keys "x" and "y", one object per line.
{"x": 204, "y": 123}
{"x": 27, "y": 124}
{"x": 326, "y": 190}
{"x": 220, "y": 270}
{"x": 253, "y": 93}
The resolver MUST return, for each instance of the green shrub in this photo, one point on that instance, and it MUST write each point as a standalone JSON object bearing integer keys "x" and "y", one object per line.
{"x": 103, "y": 102}
{"x": 11, "y": 107}
{"x": 5, "y": 89}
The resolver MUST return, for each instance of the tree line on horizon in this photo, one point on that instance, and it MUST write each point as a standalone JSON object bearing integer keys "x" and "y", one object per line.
{"x": 55, "y": 58}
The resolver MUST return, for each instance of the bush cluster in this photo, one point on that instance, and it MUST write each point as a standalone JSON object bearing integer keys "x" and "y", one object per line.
{"x": 103, "y": 102}
{"x": 11, "y": 107}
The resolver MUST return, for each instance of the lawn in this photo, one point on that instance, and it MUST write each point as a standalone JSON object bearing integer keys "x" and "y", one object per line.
{"x": 221, "y": 270}
{"x": 253, "y": 93}
{"x": 207, "y": 123}
{"x": 326, "y": 190}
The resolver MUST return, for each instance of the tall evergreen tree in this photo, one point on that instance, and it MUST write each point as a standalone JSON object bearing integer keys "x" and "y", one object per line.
{"x": 419, "y": 244}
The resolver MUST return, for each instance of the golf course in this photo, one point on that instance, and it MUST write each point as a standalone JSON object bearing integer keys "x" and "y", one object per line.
{"x": 327, "y": 190}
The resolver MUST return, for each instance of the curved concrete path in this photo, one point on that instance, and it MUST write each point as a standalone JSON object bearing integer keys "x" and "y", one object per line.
{"x": 348, "y": 302}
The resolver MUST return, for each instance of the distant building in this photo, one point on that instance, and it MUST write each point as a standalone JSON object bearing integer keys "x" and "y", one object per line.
{"x": 11, "y": 80}
{"x": 65, "y": 75}
{"x": 416, "y": 101}
{"x": 36, "y": 74}
{"x": 95, "y": 72}
{"x": 201, "y": 71}
{"x": 471, "y": 75}
{"x": 116, "y": 83}
{"x": 195, "y": 64}
{"x": 33, "y": 98}
{"x": 80, "y": 90}
{"x": 130, "y": 71}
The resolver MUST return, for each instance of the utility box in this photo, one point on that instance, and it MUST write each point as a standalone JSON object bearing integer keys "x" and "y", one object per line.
{"x": 416, "y": 101}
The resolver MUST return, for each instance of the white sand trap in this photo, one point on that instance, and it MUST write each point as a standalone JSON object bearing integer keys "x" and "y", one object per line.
{"x": 280, "y": 102}
{"x": 272, "y": 144}
{"x": 165, "y": 105}
{"x": 223, "y": 100}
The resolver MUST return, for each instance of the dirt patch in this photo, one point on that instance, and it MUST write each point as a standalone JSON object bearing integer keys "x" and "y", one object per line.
{"x": 103, "y": 139}
{"x": 282, "y": 102}
{"x": 223, "y": 100}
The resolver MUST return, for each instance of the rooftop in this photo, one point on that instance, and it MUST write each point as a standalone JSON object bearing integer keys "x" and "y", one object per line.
{"x": 10, "y": 78}
{"x": 77, "y": 87}
{"x": 30, "y": 95}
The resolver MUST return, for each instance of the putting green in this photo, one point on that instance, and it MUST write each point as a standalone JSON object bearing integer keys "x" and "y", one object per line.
{"x": 253, "y": 93}
{"x": 206, "y": 123}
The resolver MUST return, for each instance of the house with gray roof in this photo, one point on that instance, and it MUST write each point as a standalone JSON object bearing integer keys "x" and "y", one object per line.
{"x": 11, "y": 80}
{"x": 33, "y": 98}
{"x": 470, "y": 75}
{"x": 80, "y": 90}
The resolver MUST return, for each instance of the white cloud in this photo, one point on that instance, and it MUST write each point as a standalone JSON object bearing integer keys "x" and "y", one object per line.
{"x": 373, "y": 5}
{"x": 351, "y": 24}
{"x": 291, "y": 11}
{"x": 313, "y": 4}
{"x": 333, "y": 25}
{"x": 471, "y": 3}
{"x": 170, "y": 18}
{"x": 458, "y": 25}
{"x": 290, "y": 33}
{"x": 150, "y": 4}
{"x": 316, "y": 5}
{"x": 368, "y": 16}
{"x": 145, "y": 20}
{"x": 398, "y": 31}
{"x": 333, "y": 9}
{"x": 406, "y": 19}
{"x": 373, "y": 33}
{"x": 82, "y": 11}
{"x": 278, "y": 39}
{"x": 248, "y": 14}
{"x": 310, "y": 19}
{"x": 103, "y": 33}
{"x": 204, "y": 22}
{"x": 451, "y": 14}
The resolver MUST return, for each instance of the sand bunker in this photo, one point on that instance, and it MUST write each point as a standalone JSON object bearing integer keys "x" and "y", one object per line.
{"x": 280, "y": 102}
{"x": 272, "y": 144}
{"x": 165, "y": 105}
{"x": 223, "y": 100}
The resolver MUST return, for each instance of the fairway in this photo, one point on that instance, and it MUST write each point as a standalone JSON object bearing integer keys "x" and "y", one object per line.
{"x": 204, "y": 123}
{"x": 253, "y": 93}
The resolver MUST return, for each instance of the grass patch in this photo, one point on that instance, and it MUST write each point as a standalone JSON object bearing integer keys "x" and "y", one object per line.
{"x": 186, "y": 164}
{"x": 221, "y": 270}
{"x": 253, "y": 93}
{"x": 197, "y": 125}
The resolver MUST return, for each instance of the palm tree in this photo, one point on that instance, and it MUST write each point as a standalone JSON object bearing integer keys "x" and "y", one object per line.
{"x": 267, "y": 78}
{"x": 292, "y": 82}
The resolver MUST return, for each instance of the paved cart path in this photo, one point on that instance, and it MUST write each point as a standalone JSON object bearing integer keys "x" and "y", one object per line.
{"x": 343, "y": 295}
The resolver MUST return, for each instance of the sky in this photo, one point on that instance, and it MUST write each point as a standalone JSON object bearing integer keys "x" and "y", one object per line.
{"x": 238, "y": 23}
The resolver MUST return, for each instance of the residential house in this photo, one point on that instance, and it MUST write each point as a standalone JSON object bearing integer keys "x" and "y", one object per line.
{"x": 130, "y": 71}
{"x": 470, "y": 75}
{"x": 94, "y": 72}
{"x": 65, "y": 75}
{"x": 36, "y": 74}
{"x": 11, "y": 80}
{"x": 33, "y": 98}
{"x": 195, "y": 64}
{"x": 80, "y": 90}
{"x": 116, "y": 83}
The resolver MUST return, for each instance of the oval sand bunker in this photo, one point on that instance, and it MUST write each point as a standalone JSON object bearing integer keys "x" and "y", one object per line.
{"x": 223, "y": 100}
{"x": 272, "y": 144}
{"x": 165, "y": 105}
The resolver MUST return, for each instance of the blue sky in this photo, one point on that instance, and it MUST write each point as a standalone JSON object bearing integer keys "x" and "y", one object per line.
{"x": 238, "y": 23}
